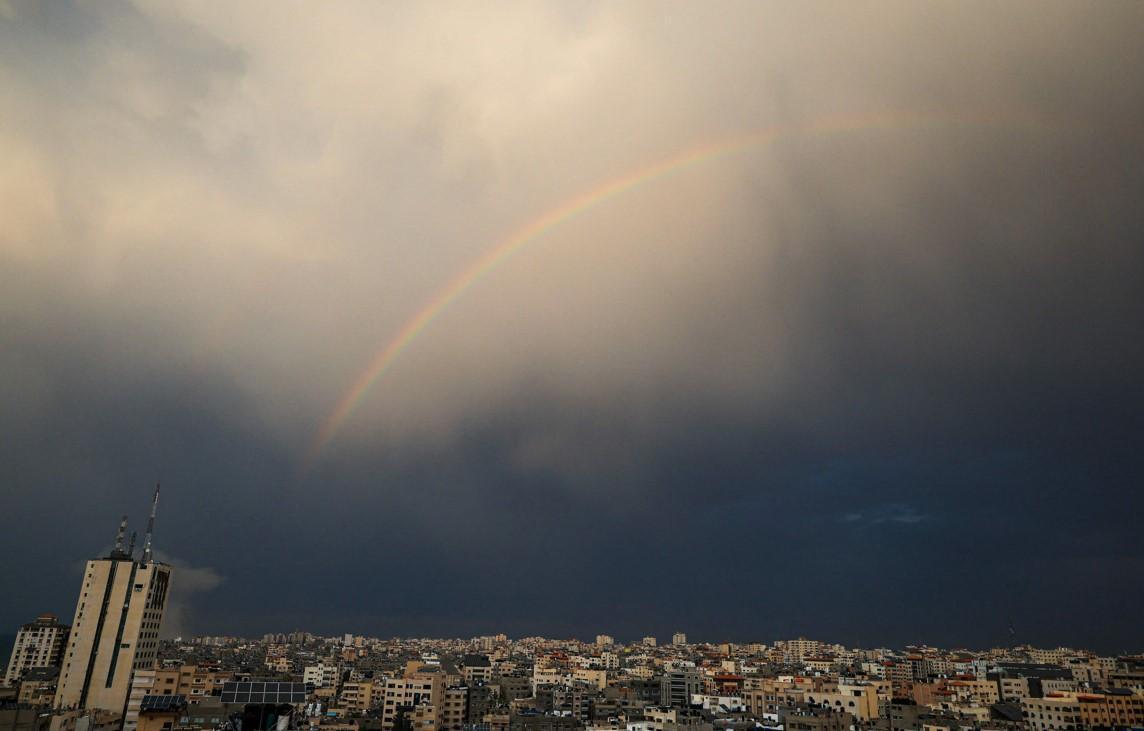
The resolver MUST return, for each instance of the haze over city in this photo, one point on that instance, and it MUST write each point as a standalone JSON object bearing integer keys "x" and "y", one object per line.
{"x": 750, "y": 320}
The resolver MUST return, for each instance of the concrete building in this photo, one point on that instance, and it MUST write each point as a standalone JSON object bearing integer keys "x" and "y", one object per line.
{"x": 476, "y": 669}
{"x": 147, "y": 683}
{"x": 160, "y": 713}
{"x": 677, "y": 687}
{"x": 454, "y": 708}
{"x": 417, "y": 696}
{"x": 679, "y": 638}
{"x": 512, "y": 687}
{"x": 649, "y": 641}
{"x": 1114, "y": 708}
{"x": 199, "y": 682}
{"x": 359, "y": 696}
{"x": 1051, "y": 714}
{"x": 116, "y": 627}
{"x": 38, "y": 687}
{"x": 859, "y": 700}
{"x": 322, "y": 675}
{"x": 800, "y": 649}
{"x": 605, "y": 640}
{"x": 39, "y": 644}
{"x": 478, "y": 703}
{"x": 589, "y": 676}
{"x": 813, "y": 718}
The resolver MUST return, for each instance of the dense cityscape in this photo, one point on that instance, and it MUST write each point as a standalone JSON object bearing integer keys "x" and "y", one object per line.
{"x": 109, "y": 670}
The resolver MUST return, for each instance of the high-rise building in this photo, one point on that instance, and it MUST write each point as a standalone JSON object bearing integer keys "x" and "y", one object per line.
{"x": 39, "y": 644}
{"x": 116, "y": 627}
{"x": 679, "y": 638}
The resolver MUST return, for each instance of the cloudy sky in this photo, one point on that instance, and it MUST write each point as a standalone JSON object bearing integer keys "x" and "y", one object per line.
{"x": 871, "y": 373}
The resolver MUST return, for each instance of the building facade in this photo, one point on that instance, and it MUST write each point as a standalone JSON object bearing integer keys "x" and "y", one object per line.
{"x": 116, "y": 626}
{"x": 39, "y": 644}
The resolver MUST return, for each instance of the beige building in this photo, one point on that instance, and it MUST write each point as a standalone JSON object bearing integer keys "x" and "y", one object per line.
{"x": 771, "y": 695}
{"x": 418, "y": 695}
{"x": 800, "y": 649}
{"x": 161, "y": 719}
{"x": 145, "y": 683}
{"x": 974, "y": 690}
{"x": 198, "y": 682}
{"x": 1111, "y": 709}
{"x": 93, "y": 720}
{"x": 860, "y": 701}
{"x": 38, "y": 687}
{"x": 116, "y": 626}
{"x": 597, "y": 678}
{"x": 1013, "y": 690}
{"x": 454, "y": 707}
{"x": 358, "y": 696}
{"x": 322, "y": 675}
{"x": 39, "y": 644}
{"x": 1051, "y": 714}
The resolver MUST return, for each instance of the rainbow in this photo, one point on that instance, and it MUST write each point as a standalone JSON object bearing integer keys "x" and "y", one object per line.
{"x": 583, "y": 202}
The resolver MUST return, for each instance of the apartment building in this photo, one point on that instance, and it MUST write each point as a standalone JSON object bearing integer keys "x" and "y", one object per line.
{"x": 1115, "y": 708}
{"x": 1051, "y": 713}
{"x": 39, "y": 644}
{"x": 417, "y": 693}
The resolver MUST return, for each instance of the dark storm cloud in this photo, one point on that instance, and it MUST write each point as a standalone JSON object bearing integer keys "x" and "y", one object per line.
{"x": 877, "y": 386}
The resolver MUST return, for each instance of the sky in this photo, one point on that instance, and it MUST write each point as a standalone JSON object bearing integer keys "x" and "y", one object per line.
{"x": 814, "y": 319}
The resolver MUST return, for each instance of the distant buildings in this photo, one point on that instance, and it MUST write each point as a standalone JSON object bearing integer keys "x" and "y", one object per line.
{"x": 116, "y": 677}
{"x": 39, "y": 644}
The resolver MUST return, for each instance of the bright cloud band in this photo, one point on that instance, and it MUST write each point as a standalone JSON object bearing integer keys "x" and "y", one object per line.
{"x": 586, "y": 201}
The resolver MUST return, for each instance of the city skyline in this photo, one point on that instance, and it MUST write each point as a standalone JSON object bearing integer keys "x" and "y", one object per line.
{"x": 819, "y": 319}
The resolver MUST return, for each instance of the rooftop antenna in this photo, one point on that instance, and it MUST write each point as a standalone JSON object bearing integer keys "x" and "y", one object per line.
{"x": 150, "y": 526}
{"x": 119, "y": 537}
{"x": 131, "y": 550}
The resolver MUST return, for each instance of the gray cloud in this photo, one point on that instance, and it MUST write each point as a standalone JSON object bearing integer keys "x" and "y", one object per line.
{"x": 215, "y": 216}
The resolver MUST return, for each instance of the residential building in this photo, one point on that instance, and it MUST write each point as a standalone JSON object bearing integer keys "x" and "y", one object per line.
{"x": 677, "y": 687}
{"x": 1114, "y": 708}
{"x": 1051, "y": 713}
{"x": 322, "y": 675}
{"x": 454, "y": 708}
{"x": 39, "y": 644}
{"x": 38, "y": 687}
{"x": 359, "y": 696}
{"x": 814, "y": 718}
{"x": 418, "y": 693}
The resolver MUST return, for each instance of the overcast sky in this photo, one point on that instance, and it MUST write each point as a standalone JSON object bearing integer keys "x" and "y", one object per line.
{"x": 876, "y": 380}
